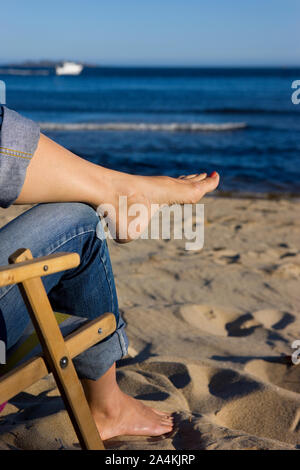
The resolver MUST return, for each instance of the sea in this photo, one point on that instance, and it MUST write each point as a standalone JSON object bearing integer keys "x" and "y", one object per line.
{"x": 240, "y": 122}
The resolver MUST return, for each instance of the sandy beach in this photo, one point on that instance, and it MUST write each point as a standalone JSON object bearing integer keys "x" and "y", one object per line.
{"x": 210, "y": 336}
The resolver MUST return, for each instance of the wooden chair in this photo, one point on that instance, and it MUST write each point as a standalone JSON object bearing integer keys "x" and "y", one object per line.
{"x": 57, "y": 351}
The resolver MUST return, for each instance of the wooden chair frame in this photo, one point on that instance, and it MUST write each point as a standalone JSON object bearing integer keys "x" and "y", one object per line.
{"x": 58, "y": 352}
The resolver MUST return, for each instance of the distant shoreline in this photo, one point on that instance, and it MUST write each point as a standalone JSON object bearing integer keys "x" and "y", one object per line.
{"x": 54, "y": 63}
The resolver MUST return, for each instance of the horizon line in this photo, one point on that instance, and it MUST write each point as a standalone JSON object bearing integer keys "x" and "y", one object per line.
{"x": 149, "y": 65}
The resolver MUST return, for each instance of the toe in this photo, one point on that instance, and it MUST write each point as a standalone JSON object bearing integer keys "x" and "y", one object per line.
{"x": 167, "y": 428}
{"x": 161, "y": 428}
{"x": 210, "y": 183}
{"x": 168, "y": 419}
{"x": 168, "y": 424}
{"x": 200, "y": 177}
{"x": 161, "y": 413}
{"x": 188, "y": 177}
{"x": 194, "y": 176}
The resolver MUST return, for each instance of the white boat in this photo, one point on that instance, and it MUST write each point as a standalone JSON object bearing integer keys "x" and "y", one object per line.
{"x": 69, "y": 68}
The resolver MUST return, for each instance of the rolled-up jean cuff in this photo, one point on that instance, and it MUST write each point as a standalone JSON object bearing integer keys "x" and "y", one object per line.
{"x": 19, "y": 137}
{"x": 95, "y": 361}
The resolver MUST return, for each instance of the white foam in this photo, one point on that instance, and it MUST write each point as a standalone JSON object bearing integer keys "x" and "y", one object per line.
{"x": 141, "y": 126}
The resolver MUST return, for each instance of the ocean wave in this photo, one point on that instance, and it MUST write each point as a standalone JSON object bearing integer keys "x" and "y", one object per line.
{"x": 68, "y": 106}
{"x": 142, "y": 126}
{"x": 230, "y": 110}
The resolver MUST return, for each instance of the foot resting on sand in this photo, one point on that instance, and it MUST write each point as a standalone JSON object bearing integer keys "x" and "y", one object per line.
{"x": 117, "y": 413}
{"x": 132, "y": 418}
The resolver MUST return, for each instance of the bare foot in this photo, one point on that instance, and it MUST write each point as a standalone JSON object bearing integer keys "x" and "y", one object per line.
{"x": 149, "y": 191}
{"x": 131, "y": 417}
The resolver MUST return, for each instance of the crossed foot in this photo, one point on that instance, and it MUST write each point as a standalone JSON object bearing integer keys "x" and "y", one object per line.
{"x": 148, "y": 191}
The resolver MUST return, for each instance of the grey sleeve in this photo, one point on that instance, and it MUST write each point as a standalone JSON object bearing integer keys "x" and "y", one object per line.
{"x": 19, "y": 138}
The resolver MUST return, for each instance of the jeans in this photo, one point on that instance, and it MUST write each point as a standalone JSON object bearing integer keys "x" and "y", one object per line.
{"x": 86, "y": 291}
{"x": 19, "y": 139}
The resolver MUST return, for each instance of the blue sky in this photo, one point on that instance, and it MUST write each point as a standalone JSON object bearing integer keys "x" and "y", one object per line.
{"x": 152, "y": 32}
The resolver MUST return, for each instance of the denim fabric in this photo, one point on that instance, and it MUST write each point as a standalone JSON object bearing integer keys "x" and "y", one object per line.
{"x": 19, "y": 138}
{"x": 86, "y": 291}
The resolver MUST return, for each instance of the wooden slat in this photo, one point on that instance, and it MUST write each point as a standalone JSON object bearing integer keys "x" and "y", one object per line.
{"x": 88, "y": 336}
{"x": 25, "y": 347}
{"x": 42, "y": 266}
{"x": 55, "y": 351}
{"x": 22, "y": 377}
{"x": 25, "y": 375}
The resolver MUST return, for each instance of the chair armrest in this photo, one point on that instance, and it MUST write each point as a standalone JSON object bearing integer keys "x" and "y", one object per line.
{"x": 35, "y": 267}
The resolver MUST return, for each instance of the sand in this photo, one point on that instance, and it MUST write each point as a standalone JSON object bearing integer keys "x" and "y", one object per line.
{"x": 210, "y": 336}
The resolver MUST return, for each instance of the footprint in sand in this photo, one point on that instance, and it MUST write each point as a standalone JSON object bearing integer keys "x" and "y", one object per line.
{"x": 207, "y": 318}
{"x": 243, "y": 325}
{"x": 266, "y": 413}
{"x": 277, "y": 371}
{"x": 256, "y": 407}
{"x": 219, "y": 322}
{"x": 272, "y": 318}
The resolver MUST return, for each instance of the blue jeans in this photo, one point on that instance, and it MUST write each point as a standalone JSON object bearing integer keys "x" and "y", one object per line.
{"x": 86, "y": 291}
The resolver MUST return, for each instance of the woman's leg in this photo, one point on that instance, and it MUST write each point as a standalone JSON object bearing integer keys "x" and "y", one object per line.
{"x": 55, "y": 174}
{"x": 87, "y": 291}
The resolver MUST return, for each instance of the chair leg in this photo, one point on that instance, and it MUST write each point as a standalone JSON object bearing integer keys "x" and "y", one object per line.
{"x": 58, "y": 358}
